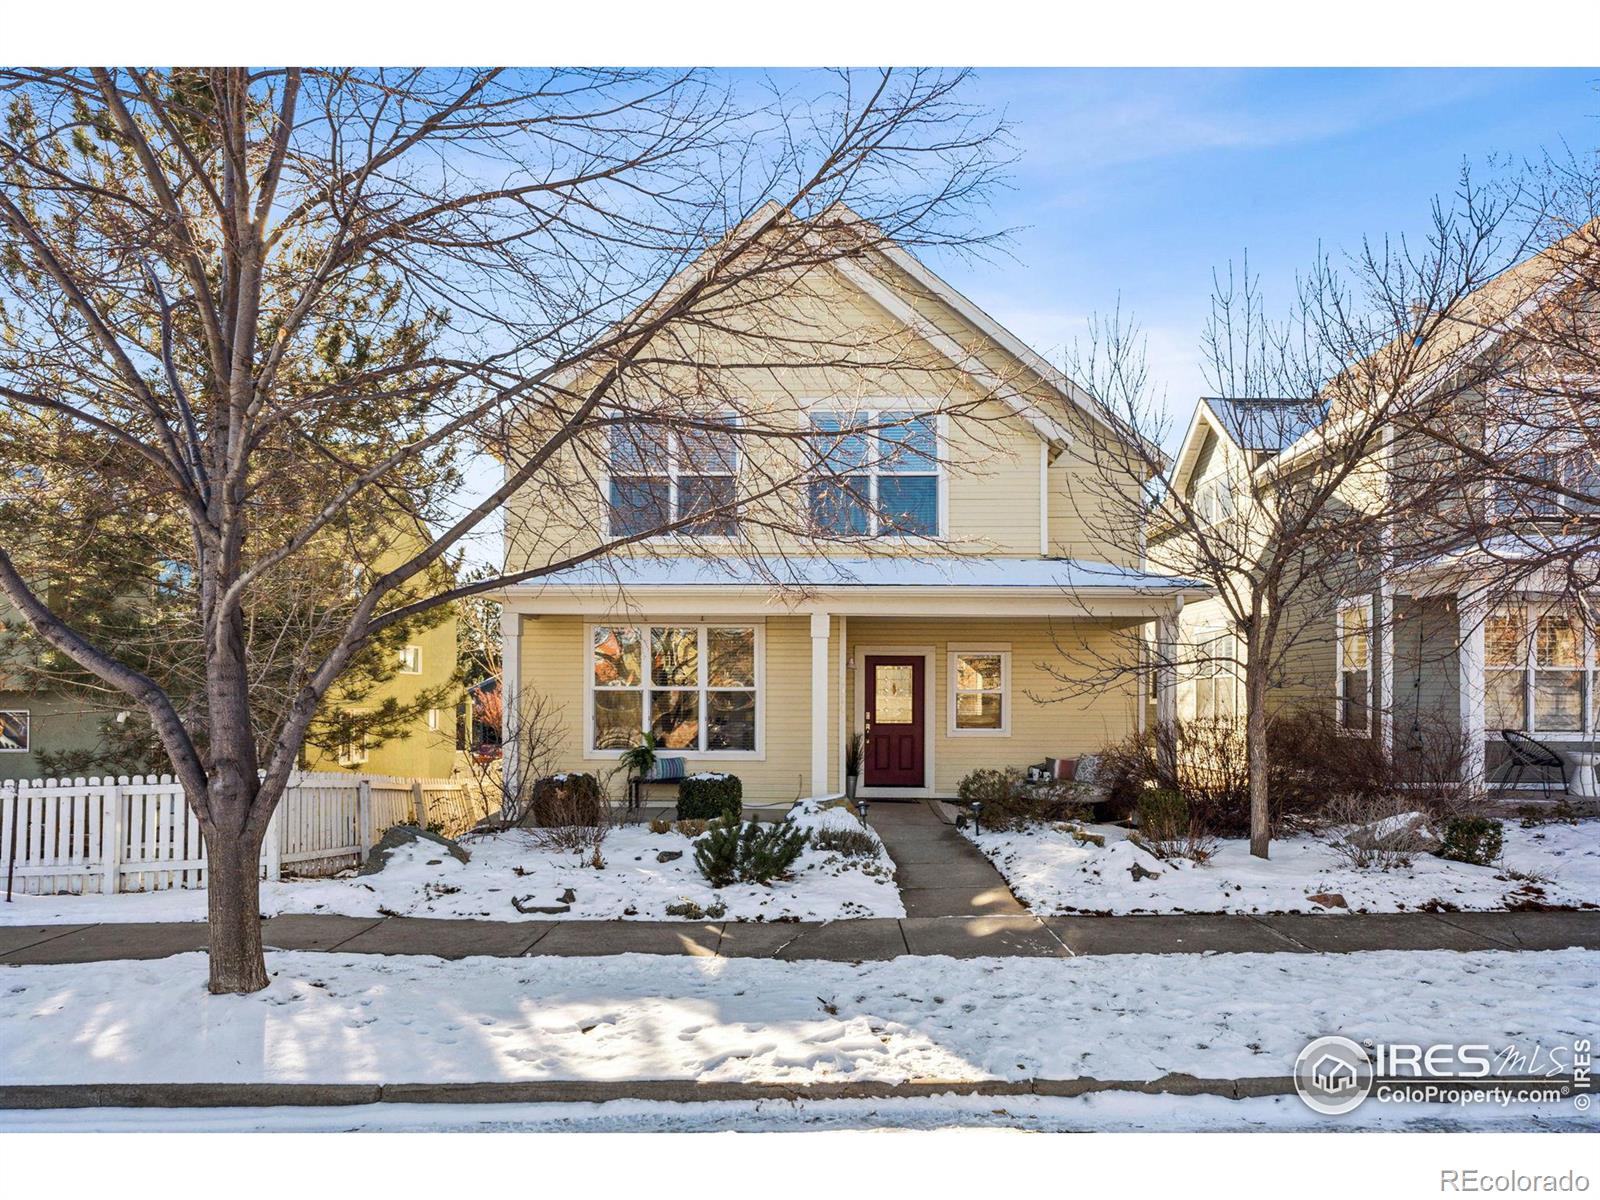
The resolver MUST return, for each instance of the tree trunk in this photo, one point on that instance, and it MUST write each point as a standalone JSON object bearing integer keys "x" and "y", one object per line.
{"x": 1255, "y": 699}
{"x": 233, "y": 908}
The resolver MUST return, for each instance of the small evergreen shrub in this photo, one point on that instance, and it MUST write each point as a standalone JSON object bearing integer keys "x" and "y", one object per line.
{"x": 707, "y": 797}
{"x": 1162, "y": 813}
{"x": 1476, "y": 840}
{"x": 689, "y": 910}
{"x": 751, "y": 852}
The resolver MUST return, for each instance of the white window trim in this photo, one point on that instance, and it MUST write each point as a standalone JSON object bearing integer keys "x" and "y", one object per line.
{"x": 1003, "y": 649}
{"x": 1362, "y": 603}
{"x": 405, "y": 670}
{"x": 1206, "y": 491}
{"x": 674, "y": 453}
{"x": 27, "y": 736}
{"x": 870, "y": 414}
{"x": 759, "y": 754}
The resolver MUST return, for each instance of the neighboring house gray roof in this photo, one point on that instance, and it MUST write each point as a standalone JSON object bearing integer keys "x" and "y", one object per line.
{"x": 964, "y": 570}
{"x": 1267, "y": 426}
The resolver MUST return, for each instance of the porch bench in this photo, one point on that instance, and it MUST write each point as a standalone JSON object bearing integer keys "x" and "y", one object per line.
{"x": 665, "y": 770}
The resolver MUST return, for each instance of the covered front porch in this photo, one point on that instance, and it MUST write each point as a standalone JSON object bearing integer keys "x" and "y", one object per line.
{"x": 1451, "y": 643}
{"x": 939, "y": 666}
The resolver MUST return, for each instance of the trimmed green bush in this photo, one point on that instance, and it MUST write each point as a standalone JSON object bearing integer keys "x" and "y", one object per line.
{"x": 708, "y": 797}
{"x": 1163, "y": 813}
{"x": 1476, "y": 840}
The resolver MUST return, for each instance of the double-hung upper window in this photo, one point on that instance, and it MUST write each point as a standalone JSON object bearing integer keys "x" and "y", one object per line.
{"x": 692, "y": 686}
{"x": 660, "y": 476}
{"x": 1213, "y": 500}
{"x": 1353, "y": 631}
{"x": 880, "y": 475}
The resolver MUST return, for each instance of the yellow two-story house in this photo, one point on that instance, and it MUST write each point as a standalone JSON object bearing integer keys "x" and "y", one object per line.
{"x": 935, "y": 593}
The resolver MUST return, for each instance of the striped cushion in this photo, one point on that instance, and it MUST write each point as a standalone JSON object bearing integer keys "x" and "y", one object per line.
{"x": 667, "y": 769}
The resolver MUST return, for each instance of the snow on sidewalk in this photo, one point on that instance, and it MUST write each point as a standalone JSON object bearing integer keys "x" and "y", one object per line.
{"x": 362, "y": 1018}
{"x": 1052, "y": 872}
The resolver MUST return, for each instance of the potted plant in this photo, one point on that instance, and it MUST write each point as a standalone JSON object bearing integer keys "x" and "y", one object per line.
{"x": 640, "y": 760}
{"x": 852, "y": 765}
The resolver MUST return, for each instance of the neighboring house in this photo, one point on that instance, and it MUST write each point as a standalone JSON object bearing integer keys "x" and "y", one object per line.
{"x": 35, "y": 721}
{"x": 1430, "y": 637}
{"x": 942, "y": 641}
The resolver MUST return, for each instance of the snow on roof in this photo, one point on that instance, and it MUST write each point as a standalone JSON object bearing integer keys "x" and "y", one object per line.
{"x": 877, "y": 571}
{"x": 1266, "y": 425}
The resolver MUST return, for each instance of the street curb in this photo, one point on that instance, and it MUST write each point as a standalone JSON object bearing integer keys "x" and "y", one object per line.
{"x": 563, "y": 1091}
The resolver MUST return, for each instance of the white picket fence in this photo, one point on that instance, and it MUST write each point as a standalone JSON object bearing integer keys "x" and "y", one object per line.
{"x": 135, "y": 834}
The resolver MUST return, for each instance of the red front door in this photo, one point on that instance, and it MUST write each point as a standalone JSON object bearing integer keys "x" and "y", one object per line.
{"x": 894, "y": 721}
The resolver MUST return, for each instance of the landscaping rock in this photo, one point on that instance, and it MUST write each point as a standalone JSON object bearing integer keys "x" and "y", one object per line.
{"x": 569, "y": 896}
{"x": 1138, "y": 872}
{"x": 520, "y": 903}
{"x": 666, "y": 856}
{"x": 1328, "y": 900}
{"x": 406, "y": 835}
{"x": 1404, "y": 831}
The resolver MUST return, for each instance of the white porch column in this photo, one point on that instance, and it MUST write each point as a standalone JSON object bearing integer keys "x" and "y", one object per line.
{"x": 1470, "y": 615}
{"x": 1167, "y": 669}
{"x": 820, "y": 622}
{"x": 1383, "y": 620}
{"x": 820, "y": 629}
{"x": 510, "y": 705}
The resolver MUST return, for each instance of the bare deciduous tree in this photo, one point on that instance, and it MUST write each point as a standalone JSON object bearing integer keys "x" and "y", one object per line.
{"x": 212, "y": 279}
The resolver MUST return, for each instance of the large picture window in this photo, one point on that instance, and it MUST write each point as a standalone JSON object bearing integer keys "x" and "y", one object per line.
{"x": 882, "y": 475}
{"x": 660, "y": 476}
{"x": 693, "y": 686}
{"x": 1536, "y": 670}
{"x": 1354, "y": 634}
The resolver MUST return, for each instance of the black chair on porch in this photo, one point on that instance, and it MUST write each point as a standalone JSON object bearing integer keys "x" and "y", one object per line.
{"x": 1526, "y": 754}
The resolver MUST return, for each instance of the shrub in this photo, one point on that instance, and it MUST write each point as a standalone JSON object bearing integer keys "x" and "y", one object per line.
{"x": 1349, "y": 814}
{"x": 692, "y": 829}
{"x": 1010, "y": 801}
{"x": 750, "y": 852}
{"x": 1476, "y": 840}
{"x": 693, "y": 912}
{"x": 661, "y": 824}
{"x": 852, "y": 843}
{"x": 1169, "y": 830}
{"x": 574, "y": 799}
{"x": 707, "y": 797}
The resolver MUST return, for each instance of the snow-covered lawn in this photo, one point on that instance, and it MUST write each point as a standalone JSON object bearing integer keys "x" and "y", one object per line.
{"x": 421, "y": 880}
{"x": 1052, "y": 873}
{"x": 331, "y": 1017}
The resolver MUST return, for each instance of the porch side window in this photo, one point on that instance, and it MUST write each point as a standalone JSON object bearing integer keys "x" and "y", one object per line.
{"x": 1215, "y": 677}
{"x": 880, "y": 475}
{"x": 692, "y": 686}
{"x": 16, "y": 725}
{"x": 980, "y": 685}
{"x": 660, "y": 476}
{"x": 1505, "y": 661}
{"x": 1355, "y": 665}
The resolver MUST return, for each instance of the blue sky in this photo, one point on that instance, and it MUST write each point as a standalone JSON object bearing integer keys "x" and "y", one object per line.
{"x": 1139, "y": 182}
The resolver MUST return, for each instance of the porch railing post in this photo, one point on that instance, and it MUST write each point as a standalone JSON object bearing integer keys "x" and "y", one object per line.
{"x": 1471, "y": 613}
{"x": 820, "y": 627}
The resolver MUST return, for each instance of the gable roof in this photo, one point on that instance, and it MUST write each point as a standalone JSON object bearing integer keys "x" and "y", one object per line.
{"x": 840, "y": 220}
{"x": 1265, "y": 426}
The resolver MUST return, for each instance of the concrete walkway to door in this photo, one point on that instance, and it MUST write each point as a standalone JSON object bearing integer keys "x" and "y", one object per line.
{"x": 939, "y": 872}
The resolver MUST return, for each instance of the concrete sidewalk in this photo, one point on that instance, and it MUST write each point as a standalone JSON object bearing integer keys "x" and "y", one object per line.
{"x": 846, "y": 941}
